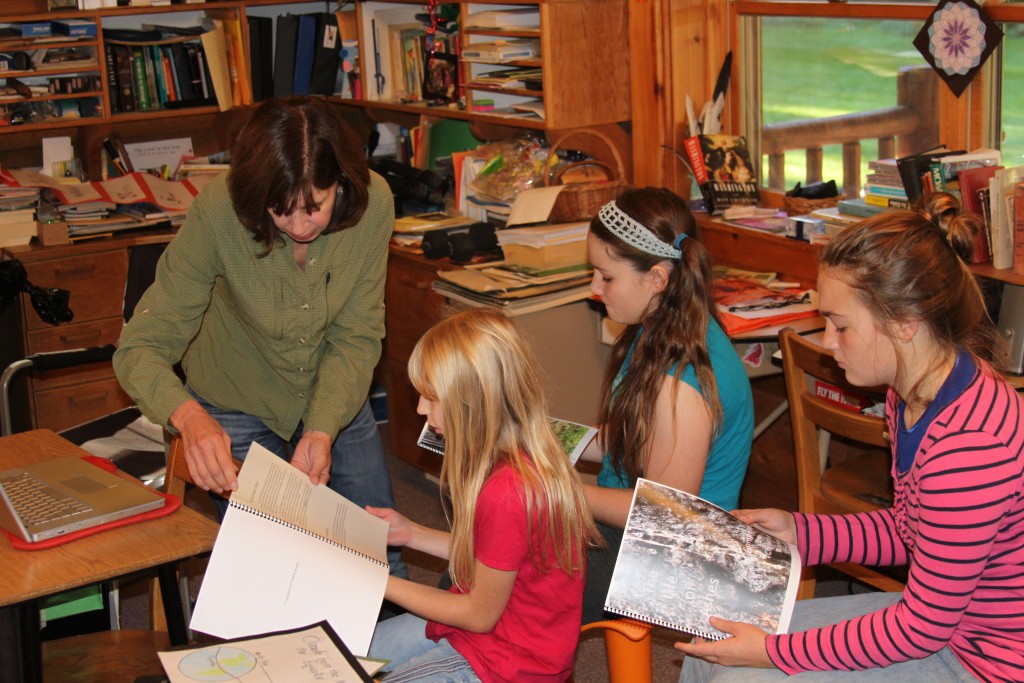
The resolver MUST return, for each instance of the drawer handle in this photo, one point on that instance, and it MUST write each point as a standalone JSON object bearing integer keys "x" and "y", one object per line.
{"x": 88, "y": 398}
{"x": 80, "y": 337}
{"x": 76, "y": 270}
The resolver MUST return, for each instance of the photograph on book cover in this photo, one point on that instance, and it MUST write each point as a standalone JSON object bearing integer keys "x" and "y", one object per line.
{"x": 440, "y": 77}
{"x": 683, "y": 560}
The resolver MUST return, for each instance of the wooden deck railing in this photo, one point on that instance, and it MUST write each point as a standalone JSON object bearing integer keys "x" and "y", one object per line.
{"x": 910, "y": 126}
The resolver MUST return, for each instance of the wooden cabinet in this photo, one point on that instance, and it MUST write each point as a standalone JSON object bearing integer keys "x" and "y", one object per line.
{"x": 411, "y": 308}
{"x": 584, "y": 58}
{"x": 94, "y": 273}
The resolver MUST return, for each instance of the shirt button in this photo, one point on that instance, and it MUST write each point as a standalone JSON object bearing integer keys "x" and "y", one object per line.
{"x": 302, "y": 395}
{"x": 302, "y": 369}
{"x": 305, "y": 307}
{"x": 312, "y": 260}
{"x": 302, "y": 340}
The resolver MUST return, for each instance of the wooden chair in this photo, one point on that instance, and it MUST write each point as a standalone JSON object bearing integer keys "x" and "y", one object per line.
{"x": 826, "y": 483}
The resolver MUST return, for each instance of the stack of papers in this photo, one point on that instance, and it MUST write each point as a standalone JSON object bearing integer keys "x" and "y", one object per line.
{"x": 512, "y": 290}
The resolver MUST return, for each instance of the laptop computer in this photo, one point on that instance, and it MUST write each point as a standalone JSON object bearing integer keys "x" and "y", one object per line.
{"x": 59, "y": 496}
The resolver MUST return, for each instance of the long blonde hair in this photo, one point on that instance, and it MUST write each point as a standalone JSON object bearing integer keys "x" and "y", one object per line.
{"x": 481, "y": 370}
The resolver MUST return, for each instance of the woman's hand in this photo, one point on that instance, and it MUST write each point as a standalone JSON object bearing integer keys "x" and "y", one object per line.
{"x": 779, "y": 523}
{"x": 207, "y": 448}
{"x": 313, "y": 456}
{"x": 400, "y": 528}
{"x": 745, "y": 647}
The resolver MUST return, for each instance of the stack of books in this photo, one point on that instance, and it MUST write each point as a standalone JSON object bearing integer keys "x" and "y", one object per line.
{"x": 883, "y": 187}
{"x": 513, "y": 290}
{"x": 545, "y": 247}
{"x": 17, "y": 215}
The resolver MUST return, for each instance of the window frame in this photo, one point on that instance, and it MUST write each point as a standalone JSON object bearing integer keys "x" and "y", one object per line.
{"x": 968, "y": 122}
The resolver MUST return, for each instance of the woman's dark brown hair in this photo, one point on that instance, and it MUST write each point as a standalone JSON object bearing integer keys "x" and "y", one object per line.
{"x": 289, "y": 148}
{"x": 674, "y": 329}
{"x": 912, "y": 265}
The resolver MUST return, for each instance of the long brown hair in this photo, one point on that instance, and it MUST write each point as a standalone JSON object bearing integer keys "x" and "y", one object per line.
{"x": 290, "y": 147}
{"x": 912, "y": 265}
{"x": 481, "y": 370}
{"x": 674, "y": 329}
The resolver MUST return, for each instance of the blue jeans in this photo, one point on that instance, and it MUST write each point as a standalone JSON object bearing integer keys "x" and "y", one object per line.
{"x": 359, "y": 470}
{"x": 414, "y": 657}
{"x": 941, "y": 667}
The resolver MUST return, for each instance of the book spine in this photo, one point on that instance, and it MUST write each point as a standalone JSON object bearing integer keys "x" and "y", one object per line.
{"x": 112, "y": 86}
{"x": 982, "y": 248}
{"x": 885, "y": 191}
{"x": 696, "y": 157}
{"x": 125, "y": 78}
{"x": 294, "y": 527}
{"x": 139, "y": 78}
{"x": 1018, "y": 228}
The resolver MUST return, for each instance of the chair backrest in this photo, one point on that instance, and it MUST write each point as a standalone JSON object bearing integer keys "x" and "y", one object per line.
{"x": 801, "y": 361}
{"x": 177, "y": 469}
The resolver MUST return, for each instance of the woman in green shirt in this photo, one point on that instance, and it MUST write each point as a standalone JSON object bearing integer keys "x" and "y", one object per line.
{"x": 271, "y": 296}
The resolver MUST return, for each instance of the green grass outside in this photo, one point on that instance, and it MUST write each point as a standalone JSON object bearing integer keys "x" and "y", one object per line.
{"x": 852, "y": 67}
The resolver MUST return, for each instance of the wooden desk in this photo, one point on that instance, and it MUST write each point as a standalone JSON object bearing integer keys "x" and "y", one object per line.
{"x": 28, "y": 575}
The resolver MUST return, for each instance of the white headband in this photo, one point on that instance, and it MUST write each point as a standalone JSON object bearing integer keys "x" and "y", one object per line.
{"x": 633, "y": 233}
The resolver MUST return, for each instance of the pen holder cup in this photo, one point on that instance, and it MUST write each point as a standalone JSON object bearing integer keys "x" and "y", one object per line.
{"x": 799, "y": 206}
{"x": 582, "y": 201}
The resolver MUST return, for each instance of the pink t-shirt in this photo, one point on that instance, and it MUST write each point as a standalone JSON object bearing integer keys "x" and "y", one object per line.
{"x": 535, "y": 638}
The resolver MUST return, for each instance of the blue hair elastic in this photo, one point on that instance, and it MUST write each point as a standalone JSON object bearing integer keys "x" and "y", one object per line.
{"x": 678, "y": 241}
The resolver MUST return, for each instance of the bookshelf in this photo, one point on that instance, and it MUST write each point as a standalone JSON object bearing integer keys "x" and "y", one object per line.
{"x": 582, "y": 52}
{"x": 582, "y": 55}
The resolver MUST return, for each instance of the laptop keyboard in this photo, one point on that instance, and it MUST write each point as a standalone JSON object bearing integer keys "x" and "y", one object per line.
{"x": 38, "y": 502}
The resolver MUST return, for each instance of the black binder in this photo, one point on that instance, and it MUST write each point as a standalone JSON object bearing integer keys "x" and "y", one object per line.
{"x": 326, "y": 53}
{"x": 284, "y": 54}
{"x": 304, "y": 48}
{"x": 261, "y": 57}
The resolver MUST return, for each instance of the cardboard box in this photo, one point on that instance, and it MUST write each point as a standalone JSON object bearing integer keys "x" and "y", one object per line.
{"x": 50, "y": 234}
{"x": 26, "y": 29}
{"x": 74, "y": 28}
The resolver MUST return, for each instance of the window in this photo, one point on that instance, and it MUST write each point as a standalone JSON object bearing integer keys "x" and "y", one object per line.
{"x": 827, "y": 77}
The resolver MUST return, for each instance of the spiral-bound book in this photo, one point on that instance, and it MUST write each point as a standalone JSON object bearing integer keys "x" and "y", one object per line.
{"x": 290, "y": 553}
{"x": 684, "y": 560}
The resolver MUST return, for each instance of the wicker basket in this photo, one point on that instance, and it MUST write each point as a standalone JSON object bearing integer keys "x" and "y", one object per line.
{"x": 581, "y": 201}
{"x": 799, "y": 206}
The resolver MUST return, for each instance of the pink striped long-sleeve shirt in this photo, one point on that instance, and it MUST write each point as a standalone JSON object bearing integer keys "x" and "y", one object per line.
{"x": 957, "y": 520}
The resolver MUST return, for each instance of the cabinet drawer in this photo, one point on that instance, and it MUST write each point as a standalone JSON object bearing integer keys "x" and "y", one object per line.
{"x": 59, "y": 409}
{"x": 96, "y": 283}
{"x": 75, "y": 335}
{"x": 412, "y": 306}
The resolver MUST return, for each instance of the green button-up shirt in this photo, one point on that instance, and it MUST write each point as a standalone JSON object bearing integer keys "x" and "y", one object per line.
{"x": 260, "y": 335}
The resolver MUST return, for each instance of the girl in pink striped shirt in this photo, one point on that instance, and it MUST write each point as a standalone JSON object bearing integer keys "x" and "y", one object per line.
{"x": 903, "y": 309}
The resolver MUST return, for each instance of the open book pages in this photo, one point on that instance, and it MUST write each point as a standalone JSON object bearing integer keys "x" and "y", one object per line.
{"x": 574, "y": 438}
{"x": 290, "y": 553}
{"x": 308, "y": 654}
{"x": 684, "y": 560}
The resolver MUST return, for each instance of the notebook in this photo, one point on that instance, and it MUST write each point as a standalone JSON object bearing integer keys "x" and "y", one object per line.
{"x": 56, "y": 497}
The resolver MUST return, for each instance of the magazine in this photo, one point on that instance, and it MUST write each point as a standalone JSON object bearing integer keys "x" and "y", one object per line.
{"x": 684, "y": 560}
{"x": 574, "y": 437}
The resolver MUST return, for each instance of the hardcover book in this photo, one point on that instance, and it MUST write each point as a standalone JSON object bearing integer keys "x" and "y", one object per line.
{"x": 684, "y": 560}
{"x": 723, "y": 170}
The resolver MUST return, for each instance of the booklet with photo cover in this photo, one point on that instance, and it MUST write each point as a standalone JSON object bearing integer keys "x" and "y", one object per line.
{"x": 684, "y": 560}
{"x": 574, "y": 437}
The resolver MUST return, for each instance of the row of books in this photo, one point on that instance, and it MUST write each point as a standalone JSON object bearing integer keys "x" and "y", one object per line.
{"x": 150, "y": 77}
